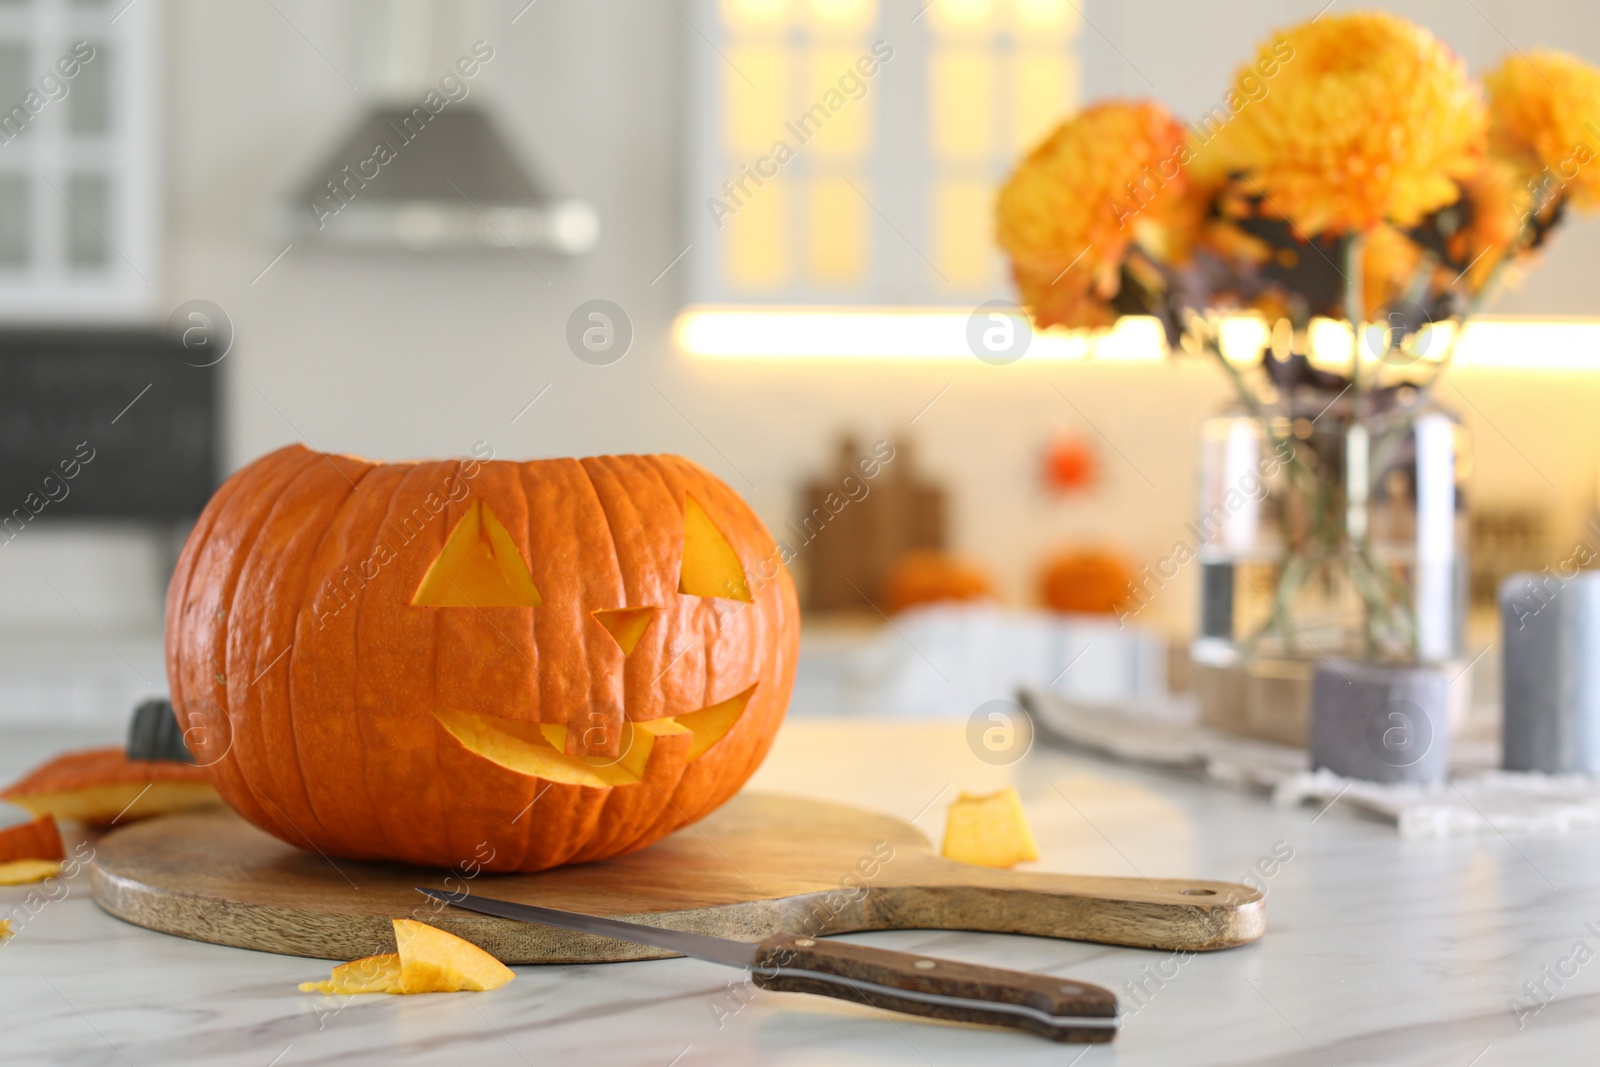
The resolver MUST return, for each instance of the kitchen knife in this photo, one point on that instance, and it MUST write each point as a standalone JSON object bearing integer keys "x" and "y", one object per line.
{"x": 1061, "y": 1010}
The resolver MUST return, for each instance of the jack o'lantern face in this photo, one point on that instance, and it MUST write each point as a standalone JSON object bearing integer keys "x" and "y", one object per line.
{"x": 542, "y": 662}
{"x": 480, "y": 567}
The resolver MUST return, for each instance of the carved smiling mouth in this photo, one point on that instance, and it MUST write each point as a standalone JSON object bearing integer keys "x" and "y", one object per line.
{"x": 538, "y": 749}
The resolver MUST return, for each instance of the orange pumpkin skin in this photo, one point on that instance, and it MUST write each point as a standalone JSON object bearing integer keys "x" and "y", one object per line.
{"x": 36, "y": 840}
{"x": 101, "y": 787}
{"x": 932, "y": 576}
{"x": 312, "y": 686}
{"x": 1092, "y": 581}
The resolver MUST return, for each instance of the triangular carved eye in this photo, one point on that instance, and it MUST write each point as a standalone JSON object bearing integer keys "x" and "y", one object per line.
{"x": 625, "y": 625}
{"x": 479, "y": 567}
{"x": 710, "y": 565}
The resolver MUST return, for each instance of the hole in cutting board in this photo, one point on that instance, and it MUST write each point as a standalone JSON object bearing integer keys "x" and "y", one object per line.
{"x": 1198, "y": 892}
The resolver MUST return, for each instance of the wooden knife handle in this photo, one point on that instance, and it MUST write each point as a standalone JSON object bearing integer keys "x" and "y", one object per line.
{"x": 1056, "y": 1008}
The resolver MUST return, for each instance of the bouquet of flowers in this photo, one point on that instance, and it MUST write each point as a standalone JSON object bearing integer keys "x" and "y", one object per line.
{"x": 1355, "y": 172}
{"x": 1353, "y": 165}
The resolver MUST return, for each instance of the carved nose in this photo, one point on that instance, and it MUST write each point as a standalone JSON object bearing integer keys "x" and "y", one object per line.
{"x": 625, "y": 625}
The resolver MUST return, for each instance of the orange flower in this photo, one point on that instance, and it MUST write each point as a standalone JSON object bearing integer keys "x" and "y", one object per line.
{"x": 1106, "y": 178}
{"x": 1369, "y": 119}
{"x": 1546, "y": 120}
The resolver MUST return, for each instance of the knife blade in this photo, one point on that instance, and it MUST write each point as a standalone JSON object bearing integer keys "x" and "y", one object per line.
{"x": 1054, "y": 1008}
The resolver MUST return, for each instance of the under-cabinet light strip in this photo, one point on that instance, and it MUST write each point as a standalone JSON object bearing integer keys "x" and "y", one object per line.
{"x": 922, "y": 335}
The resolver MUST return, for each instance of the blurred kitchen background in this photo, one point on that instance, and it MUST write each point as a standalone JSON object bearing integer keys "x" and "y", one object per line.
{"x": 183, "y": 170}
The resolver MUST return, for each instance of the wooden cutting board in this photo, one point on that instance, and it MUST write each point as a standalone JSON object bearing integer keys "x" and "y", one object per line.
{"x": 760, "y": 865}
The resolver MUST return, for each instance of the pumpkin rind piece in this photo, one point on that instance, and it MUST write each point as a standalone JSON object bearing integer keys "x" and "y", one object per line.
{"x": 102, "y": 786}
{"x": 36, "y": 840}
{"x": 370, "y": 974}
{"x": 26, "y": 872}
{"x": 988, "y": 830}
{"x": 432, "y": 961}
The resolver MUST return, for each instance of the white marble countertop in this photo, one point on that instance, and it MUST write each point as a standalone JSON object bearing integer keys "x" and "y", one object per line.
{"x": 1378, "y": 951}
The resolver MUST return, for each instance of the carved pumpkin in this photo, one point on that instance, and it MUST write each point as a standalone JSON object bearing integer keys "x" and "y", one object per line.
{"x": 479, "y": 664}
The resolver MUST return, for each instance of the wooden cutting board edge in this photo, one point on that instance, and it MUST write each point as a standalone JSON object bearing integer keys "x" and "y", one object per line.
{"x": 921, "y": 891}
{"x": 341, "y": 936}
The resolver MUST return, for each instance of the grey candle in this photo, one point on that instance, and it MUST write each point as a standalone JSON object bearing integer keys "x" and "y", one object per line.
{"x": 1552, "y": 672}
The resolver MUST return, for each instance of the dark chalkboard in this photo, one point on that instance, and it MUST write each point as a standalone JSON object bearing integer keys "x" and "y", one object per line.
{"x": 103, "y": 424}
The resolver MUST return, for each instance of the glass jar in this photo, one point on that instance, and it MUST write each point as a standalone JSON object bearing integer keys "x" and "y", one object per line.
{"x": 1323, "y": 532}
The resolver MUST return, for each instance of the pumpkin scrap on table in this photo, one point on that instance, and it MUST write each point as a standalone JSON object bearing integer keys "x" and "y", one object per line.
{"x": 516, "y": 664}
{"x": 36, "y": 840}
{"x": 30, "y": 851}
{"x": 989, "y": 830}
{"x": 102, "y": 786}
{"x": 428, "y": 961}
{"x": 370, "y": 974}
{"x": 27, "y": 872}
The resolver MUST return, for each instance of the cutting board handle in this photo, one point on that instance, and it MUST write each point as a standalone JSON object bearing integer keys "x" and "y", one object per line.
{"x": 1161, "y": 913}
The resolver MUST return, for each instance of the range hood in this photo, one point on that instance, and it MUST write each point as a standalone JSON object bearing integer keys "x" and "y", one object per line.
{"x": 425, "y": 168}
{"x": 407, "y": 179}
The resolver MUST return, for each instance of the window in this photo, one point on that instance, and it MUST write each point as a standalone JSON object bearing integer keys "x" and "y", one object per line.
{"x": 846, "y": 152}
{"x": 78, "y": 193}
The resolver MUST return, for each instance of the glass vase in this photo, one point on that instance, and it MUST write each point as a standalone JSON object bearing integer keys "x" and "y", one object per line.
{"x": 1327, "y": 528}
